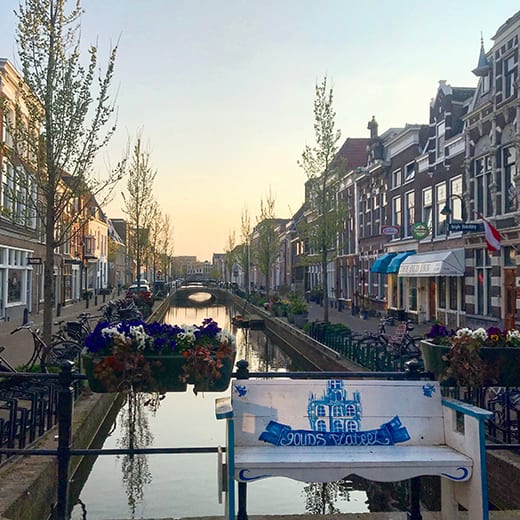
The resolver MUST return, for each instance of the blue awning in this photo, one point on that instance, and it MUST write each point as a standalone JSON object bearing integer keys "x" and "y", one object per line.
{"x": 396, "y": 262}
{"x": 381, "y": 263}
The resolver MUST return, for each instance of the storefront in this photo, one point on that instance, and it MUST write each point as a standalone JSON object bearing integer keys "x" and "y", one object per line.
{"x": 434, "y": 282}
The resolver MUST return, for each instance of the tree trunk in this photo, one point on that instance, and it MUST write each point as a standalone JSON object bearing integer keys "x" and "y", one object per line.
{"x": 325, "y": 285}
{"x": 48, "y": 284}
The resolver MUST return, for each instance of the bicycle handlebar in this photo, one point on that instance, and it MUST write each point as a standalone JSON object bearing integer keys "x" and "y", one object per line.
{"x": 27, "y": 325}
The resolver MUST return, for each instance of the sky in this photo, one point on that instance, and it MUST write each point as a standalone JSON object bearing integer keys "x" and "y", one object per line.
{"x": 221, "y": 91}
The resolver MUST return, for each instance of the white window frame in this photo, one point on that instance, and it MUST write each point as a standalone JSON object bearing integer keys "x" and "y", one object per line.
{"x": 396, "y": 178}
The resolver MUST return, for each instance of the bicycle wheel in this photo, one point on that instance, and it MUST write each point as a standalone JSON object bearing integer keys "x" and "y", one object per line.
{"x": 57, "y": 353}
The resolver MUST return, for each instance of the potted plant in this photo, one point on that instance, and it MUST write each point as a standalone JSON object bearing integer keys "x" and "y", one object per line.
{"x": 297, "y": 311}
{"x": 473, "y": 358}
{"x": 140, "y": 356}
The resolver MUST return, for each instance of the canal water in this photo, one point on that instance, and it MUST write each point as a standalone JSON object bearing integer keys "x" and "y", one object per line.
{"x": 185, "y": 485}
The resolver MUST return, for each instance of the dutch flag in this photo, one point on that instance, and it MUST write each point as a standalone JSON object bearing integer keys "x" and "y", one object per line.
{"x": 492, "y": 235}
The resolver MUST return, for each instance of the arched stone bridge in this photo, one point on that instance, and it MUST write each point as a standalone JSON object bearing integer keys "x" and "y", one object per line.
{"x": 198, "y": 294}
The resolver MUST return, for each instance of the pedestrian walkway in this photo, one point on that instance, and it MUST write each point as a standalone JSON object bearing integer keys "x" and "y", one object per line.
{"x": 357, "y": 324}
{"x": 19, "y": 346}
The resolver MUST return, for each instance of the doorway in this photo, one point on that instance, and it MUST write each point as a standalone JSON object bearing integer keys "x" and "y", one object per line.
{"x": 509, "y": 298}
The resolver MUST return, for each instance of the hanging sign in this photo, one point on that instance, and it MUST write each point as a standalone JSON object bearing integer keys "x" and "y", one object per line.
{"x": 420, "y": 230}
{"x": 34, "y": 260}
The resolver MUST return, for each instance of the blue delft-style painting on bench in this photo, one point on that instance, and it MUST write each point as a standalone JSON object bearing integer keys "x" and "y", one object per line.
{"x": 335, "y": 420}
{"x": 382, "y": 430}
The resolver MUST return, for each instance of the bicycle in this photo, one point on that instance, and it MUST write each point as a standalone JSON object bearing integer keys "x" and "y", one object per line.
{"x": 76, "y": 330}
{"x": 49, "y": 356}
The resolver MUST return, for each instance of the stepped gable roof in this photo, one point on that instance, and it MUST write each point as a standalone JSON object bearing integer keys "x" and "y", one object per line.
{"x": 355, "y": 151}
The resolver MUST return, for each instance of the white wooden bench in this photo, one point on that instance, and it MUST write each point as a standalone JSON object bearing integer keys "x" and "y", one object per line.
{"x": 326, "y": 430}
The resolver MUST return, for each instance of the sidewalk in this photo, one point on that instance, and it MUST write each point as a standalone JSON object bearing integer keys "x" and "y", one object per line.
{"x": 355, "y": 323}
{"x": 19, "y": 346}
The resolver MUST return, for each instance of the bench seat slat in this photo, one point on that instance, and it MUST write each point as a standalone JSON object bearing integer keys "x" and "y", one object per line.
{"x": 327, "y": 464}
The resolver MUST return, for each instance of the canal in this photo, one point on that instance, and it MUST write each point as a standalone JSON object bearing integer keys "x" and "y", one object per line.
{"x": 185, "y": 485}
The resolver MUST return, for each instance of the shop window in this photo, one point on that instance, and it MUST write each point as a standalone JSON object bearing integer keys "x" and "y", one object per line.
{"x": 412, "y": 298}
{"x": 441, "y": 284}
{"x": 453, "y": 284}
{"x": 14, "y": 285}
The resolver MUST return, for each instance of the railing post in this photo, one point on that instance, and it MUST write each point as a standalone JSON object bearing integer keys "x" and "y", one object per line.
{"x": 242, "y": 373}
{"x": 65, "y": 410}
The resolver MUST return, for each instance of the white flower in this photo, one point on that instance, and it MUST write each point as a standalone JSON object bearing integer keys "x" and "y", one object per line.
{"x": 464, "y": 331}
{"x": 225, "y": 337}
{"x": 480, "y": 334}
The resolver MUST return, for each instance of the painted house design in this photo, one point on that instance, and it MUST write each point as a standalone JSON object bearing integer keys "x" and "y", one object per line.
{"x": 333, "y": 411}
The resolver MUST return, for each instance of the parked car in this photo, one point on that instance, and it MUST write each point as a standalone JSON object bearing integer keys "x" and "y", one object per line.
{"x": 140, "y": 292}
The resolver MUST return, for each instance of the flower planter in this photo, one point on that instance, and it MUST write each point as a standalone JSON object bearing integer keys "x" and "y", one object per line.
{"x": 117, "y": 374}
{"x": 504, "y": 360}
{"x": 149, "y": 374}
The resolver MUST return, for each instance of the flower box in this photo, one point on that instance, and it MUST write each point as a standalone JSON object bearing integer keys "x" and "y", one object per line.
{"x": 120, "y": 373}
{"x": 502, "y": 364}
{"x": 156, "y": 357}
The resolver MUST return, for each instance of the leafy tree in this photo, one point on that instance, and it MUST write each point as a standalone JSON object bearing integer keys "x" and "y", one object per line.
{"x": 140, "y": 206}
{"x": 266, "y": 245}
{"x": 325, "y": 213}
{"x": 67, "y": 114}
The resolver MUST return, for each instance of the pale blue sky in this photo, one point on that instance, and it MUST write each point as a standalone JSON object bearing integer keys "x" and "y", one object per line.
{"x": 223, "y": 90}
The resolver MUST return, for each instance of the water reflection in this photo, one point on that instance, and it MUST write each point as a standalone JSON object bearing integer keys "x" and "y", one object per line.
{"x": 185, "y": 485}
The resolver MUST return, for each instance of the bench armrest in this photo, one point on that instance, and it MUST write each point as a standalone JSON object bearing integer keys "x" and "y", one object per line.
{"x": 467, "y": 409}
{"x": 223, "y": 408}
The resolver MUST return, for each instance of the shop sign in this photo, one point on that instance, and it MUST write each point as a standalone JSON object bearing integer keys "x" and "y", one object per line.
{"x": 34, "y": 260}
{"x": 390, "y": 230}
{"x": 420, "y": 230}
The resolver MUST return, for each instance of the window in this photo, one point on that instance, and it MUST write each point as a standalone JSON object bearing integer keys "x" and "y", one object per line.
{"x": 412, "y": 294}
{"x": 482, "y": 173}
{"x": 14, "y": 285}
{"x": 336, "y": 411}
{"x": 441, "y": 284}
{"x": 482, "y": 282}
{"x": 455, "y": 203}
{"x": 350, "y": 410}
{"x": 409, "y": 208}
{"x": 453, "y": 286}
{"x": 510, "y": 75}
{"x": 321, "y": 426}
{"x": 485, "y": 84}
{"x": 440, "y": 203}
{"x": 505, "y": 186}
{"x": 427, "y": 202}
{"x": 409, "y": 172}
{"x": 440, "y": 139}
{"x": 396, "y": 178}
{"x": 396, "y": 211}
{"x": 321, "y": 411}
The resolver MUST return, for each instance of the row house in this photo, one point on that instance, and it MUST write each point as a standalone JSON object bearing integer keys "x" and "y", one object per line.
{"x": 80, "y": 262}
{"x": 21, "y": 247}
{"x": 492, "y": 146}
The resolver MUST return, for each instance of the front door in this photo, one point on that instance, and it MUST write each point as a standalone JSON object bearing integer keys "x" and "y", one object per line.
{"x": 509, "y": 298}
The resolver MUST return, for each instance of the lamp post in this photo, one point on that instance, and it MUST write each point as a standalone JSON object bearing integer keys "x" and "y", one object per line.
{"x": 447, "y": 210}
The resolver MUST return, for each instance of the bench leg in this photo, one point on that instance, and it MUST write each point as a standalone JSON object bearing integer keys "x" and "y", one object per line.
{"x": 415, "y": 499}
{"x": 242, "y": 501}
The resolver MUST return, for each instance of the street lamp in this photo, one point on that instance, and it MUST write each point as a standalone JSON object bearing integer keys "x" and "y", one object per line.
{"x": 447, "y": 210}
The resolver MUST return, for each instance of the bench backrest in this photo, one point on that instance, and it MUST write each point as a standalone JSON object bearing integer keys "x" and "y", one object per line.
{"x": 337, "y": 412}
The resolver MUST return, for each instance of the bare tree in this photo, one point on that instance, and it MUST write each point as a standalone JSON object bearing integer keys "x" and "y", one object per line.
{"x": 68, "y": 115}
{"x": 139, "y": 205}
{"x": 229, "y": 256}
{"x": 325, "y": 213}
{"x": 266, "y": 245}
{"x": 243, "y": 251}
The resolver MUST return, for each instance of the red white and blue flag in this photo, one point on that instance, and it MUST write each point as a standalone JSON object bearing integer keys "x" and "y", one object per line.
{"x": 492, "y": 235}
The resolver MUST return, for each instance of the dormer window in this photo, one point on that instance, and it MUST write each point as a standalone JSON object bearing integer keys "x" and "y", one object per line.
{"x": 440, "y": 139}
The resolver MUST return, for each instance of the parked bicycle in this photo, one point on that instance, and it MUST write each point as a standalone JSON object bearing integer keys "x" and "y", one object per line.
{"x": 76, "y": 330}
{"x": 45, "y": 357}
